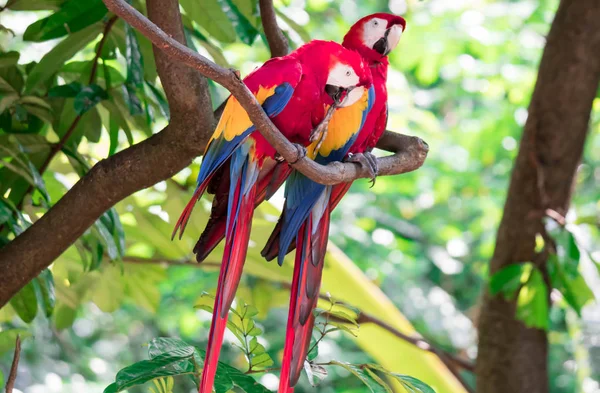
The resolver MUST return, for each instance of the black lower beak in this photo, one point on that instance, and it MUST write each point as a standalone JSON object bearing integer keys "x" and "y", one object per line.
{"x": 381, "y": 46}
{"x": 335, "y": 92}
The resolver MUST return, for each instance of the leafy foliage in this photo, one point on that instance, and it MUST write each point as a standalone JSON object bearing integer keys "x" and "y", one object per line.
{"x": 461, "y": 79}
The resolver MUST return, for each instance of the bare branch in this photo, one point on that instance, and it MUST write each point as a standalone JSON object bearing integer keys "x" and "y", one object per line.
{"x": 410, "y": 158}
{"x": 363, "y": 317}
{"x": 12, "y": 376}
{"x": 278, "y": 43}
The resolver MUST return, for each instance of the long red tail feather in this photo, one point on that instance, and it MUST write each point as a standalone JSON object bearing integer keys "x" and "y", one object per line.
{"x": 308, "y": 269}
{"x": 234, "y": 256}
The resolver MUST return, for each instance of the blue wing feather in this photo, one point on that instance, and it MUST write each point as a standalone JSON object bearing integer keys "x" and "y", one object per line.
{"x": 302, "y": 194}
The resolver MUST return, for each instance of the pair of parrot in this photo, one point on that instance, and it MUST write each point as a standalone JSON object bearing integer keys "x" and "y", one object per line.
{"x": 345, "y": 83}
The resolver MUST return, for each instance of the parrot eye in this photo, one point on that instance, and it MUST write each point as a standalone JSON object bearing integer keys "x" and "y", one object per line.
{"x": 375, "y": 23}
{"x": 348, "y": 73}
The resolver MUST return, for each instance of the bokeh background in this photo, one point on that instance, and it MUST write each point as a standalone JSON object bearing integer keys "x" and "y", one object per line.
{"x": 461, "y": 79}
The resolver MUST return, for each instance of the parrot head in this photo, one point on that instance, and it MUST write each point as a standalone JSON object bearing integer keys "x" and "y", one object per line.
{"x": 376, "y": 35}
{"x": 341, "y": 73}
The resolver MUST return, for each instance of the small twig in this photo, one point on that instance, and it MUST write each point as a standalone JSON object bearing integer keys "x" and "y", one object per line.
{"x": 278, "y": 43}
{"x": 61, "y": 143}
{"x": 411, "y": 158}
{"x": 363, "y": 317}
{"x": 12, "y": 376}
{"x": 107, "y": 29}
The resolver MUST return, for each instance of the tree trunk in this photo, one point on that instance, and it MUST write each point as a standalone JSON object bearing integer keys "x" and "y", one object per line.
{"x": 513, "y": 358}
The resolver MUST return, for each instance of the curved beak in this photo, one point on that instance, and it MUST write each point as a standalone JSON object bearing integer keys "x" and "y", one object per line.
{"x": 390, "y": 39}
{"x": 336, "y": 93}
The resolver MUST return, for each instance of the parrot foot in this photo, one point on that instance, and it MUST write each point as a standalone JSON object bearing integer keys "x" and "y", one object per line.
{"x": 278, "y": 157}
{"x": 366, "y": 160}
{"x": 301, "y": 153}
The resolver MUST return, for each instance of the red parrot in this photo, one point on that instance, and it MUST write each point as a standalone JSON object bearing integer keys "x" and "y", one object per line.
{"x": 306, "y": 217}
{"x": 306, "y": 214}
{"x": 373, "y": 36}
{"x": 294, "y": 91}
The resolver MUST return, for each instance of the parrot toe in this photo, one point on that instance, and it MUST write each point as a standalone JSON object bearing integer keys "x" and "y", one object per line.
{"x": 301, "y": 153}
{"x": 366, "y": 160}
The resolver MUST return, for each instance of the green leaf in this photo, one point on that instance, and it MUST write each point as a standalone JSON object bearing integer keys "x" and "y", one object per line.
{"x": 9, "y": 59}
{"x": 62, "y": 52}
{"x": 36, "y": 5}
{"x": 365, "y": 377}
{"x": 135, "y": 71}
{"x": 160, "y": 100}
{"x": 242, "y": 26}
{"x": 532, "y": 302}
{"x": 88, "y": 97}
{"x": 1, "y": 378}
{"x": 574, "y": 289}
{"x": 72, "y": 17}
{"x": 83, "y": 68}
{"x": 21, "y": 121}
{"x": 304, "y": 35}
{"x": 45, "y": 283}
{"x": 25, "y": 303}
{"x": 9, "y": 337}
{"x": 67, "y": 91}
{"x": 210, "y": 16}
{"x": 64, "y": 316}
{"x": 412, "y": 385}
{"x": 509, "y": 279}
{"x": 165, "y": 364}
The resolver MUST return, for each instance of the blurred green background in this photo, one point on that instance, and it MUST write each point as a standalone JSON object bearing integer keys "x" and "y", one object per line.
{"x": 461, "y": 79}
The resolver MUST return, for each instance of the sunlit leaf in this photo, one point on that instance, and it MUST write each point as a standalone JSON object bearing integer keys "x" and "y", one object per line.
{"x": 532, "y": 302}
{"x": 509, "y": 279}
{"x": 25, "y": 303}
{"x": 73, "y": 16}
{"x": 62, "y": 52}
{"x": 9, "y": 337}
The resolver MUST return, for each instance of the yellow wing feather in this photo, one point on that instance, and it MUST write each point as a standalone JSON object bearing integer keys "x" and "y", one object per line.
{"x": 344, "y": 123}
{"x": 235, "y": 120}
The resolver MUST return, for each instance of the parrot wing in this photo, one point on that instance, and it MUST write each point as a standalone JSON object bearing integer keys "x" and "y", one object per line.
{"x": 273, "y": 85}
{"x": 302, "y": 193}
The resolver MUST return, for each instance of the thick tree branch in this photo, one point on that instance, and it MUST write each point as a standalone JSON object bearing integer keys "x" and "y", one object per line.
{"x": 165, "y": 153}
{"x": 330, "y": 174}
{"x": 512, "y": 357}
{"x": 278, "y": 43}
{"x": 140, "y": 166}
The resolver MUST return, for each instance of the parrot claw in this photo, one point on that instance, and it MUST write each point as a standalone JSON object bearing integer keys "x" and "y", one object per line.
{"x": 278, "y": 157}
{"x": 367, "y": 160}
{"x": 301, "y": 153}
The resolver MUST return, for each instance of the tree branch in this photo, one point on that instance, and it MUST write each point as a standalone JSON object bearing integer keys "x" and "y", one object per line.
{"x": 111, "y": 180}
{"x": 165, "y": 153}
{"x": 278, "y": 43}
{"x": 411, "y": 158}
{"x": 12, "y": 376}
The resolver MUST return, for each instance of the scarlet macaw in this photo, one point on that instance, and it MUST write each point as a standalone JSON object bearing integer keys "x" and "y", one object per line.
{"x": 294, "y": 91}
{"x": 374, "y": 37}
{"x": 308, "y": 204}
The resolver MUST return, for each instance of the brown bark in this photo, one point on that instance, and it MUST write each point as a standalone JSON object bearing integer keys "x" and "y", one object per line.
{"x": 511, "y": 357}
{"x": 113, "y": 179}
{"x": 278, "y": 43}
{"x": 161, "y": 156}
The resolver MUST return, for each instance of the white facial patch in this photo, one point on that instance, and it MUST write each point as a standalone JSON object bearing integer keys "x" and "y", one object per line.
{"x": 353, "y": 96}
{"x": 374, "y": 29}
{"x": 394, "y": 36}
{"x": 342, "y": 75}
